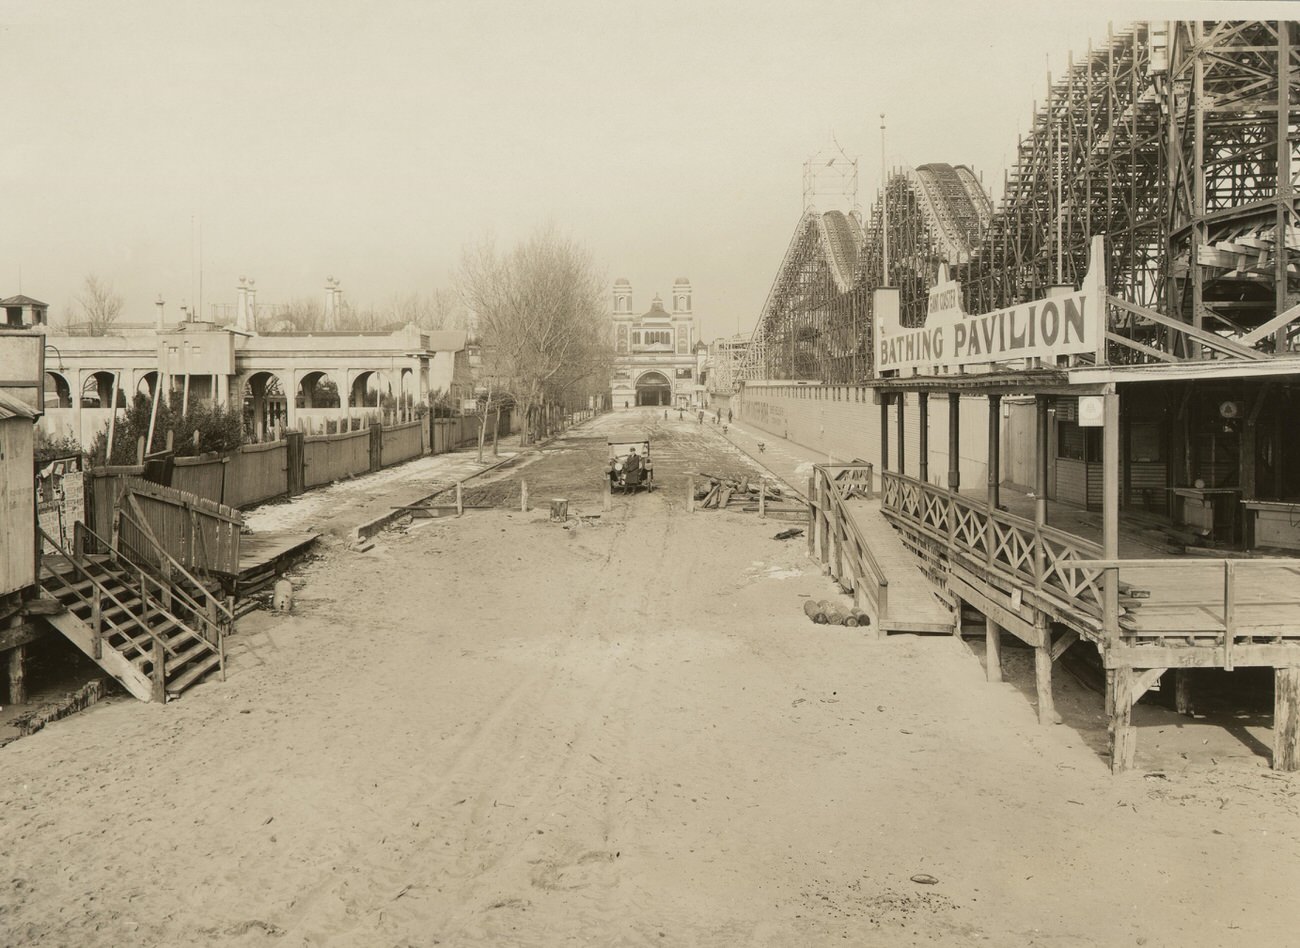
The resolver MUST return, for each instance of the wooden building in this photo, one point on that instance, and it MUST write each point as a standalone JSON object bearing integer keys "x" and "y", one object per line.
{"x": 1198, "y": 433}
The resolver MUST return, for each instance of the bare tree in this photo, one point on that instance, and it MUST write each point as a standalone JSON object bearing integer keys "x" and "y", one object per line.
{"x": 542, "y": 324}
{"x": 100, "y": 305}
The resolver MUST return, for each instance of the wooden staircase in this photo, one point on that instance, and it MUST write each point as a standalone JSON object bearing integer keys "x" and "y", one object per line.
{"x": 156, "y": 631}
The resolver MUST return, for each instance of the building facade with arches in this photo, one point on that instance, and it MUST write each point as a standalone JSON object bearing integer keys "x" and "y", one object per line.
{"x": 295, "y": 380}
{"x": 655, "y": 357}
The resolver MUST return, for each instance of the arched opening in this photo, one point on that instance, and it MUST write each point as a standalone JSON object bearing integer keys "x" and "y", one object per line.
{"x": 58, "y": 393}
{"x": 653, "y": 388}
{"x": 406, "y": 399}
{"x": 97, "y": 391}
{"x": 318, "y": 390}
{"x": 146, "y": 385}
{"x": 370, "y": 390}
{"x": 266, "y": 410}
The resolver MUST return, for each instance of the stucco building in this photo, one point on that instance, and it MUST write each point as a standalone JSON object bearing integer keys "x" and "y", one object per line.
{"x": 656, "y": 361}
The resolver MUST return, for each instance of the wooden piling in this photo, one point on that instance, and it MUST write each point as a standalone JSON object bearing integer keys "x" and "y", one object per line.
{"x": 605, "y": 501}
{"x": 1183, "y": 691}
{"x": 1123, "y": 736}
{"x": 762, "y": 499}
{"x": 992, "y": 650}
{"x": 523, "y": 497}
{"x": 1043, "y": 683}
{"x": 690, "y": 495}
{"x": 18, "y": 674}
{"x": 460, "y": 498}
{"x": 1286, "y": 718}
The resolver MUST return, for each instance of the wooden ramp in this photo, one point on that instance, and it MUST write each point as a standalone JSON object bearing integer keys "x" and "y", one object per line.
{"x": 915, "y": 603}
{"x": 264, "y": 556}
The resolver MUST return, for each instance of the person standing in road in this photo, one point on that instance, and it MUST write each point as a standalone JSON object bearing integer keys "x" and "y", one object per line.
{"x": 728, "y": 416}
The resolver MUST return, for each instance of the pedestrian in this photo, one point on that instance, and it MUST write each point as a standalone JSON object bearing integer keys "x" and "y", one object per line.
{"x": 701, "y": 416}
{"x": 665, "y": 414}
{"x": 728, "y": 416}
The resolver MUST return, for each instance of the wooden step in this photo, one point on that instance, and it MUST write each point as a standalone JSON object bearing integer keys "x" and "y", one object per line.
{"x": 193, "y": 673}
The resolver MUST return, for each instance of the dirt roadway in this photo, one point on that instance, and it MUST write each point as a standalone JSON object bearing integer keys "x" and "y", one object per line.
{"x": 497, "y": 731}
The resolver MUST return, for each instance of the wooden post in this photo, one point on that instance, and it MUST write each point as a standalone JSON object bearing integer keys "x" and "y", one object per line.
{"x": 762, "y": 498}
{"x": 823, "y": 503}
{"x": 97, "y": 622}
{"x": 605, "y": 502}
{"x": 1110, "y": 513}
{"x": 1123, "y": 736}
{"x": 1043, "y": 681}
{"x": 995, "y": 453}
{"x": 992, "y": 650}
{"x": 812, "y": 514}
{"x": 923, "y": 437}
{"x": 460, "y": 498}
{"x": 112, "y": 419}
{"x": 17, "y": 674}
{"x": 954, "y": 442}
{"x": 1183, "y": 691}
{"x": 1042, "y": 447}
{"x": 690, "y": 494}
{"x": 956, "y": 615}
{"x": 1286, "y": 718}
{"x": 159, "y": 672}
{"x": 902, "y": 440}
{"x": 884, "y": 432}
{"x": 523, "y": 496}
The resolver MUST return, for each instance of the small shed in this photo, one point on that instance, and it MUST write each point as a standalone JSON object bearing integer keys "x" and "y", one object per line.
{"x": 17, "y": 501}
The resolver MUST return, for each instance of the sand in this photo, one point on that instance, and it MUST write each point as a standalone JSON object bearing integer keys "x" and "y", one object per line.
{"x": 501, "y": 731}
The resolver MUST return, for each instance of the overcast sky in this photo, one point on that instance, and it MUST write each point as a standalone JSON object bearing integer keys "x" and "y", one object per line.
{"x": 372, "y": 141}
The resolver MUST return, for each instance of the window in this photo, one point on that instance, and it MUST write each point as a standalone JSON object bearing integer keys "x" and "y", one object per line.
{"x": 1077, "y": 444}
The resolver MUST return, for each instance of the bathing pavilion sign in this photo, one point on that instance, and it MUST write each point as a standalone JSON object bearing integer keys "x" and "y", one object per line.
{"x": 1072, "y": 323}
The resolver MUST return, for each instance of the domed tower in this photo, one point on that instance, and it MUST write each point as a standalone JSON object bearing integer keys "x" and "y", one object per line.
{"x": 683, "y": 318}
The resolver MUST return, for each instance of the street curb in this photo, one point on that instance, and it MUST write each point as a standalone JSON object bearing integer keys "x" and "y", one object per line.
{"x": 364, "y": 531}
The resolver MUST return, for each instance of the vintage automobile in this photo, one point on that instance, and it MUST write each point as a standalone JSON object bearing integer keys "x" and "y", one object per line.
{"x": 629, "y": 465}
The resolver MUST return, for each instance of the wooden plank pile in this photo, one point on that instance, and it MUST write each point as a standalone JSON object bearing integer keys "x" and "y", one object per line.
{"x": 740, "y": 492}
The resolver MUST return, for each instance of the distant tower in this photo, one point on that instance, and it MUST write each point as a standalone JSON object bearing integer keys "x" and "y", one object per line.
{"x": 622, "y": 296}
{"x": 622, "y": 315}
{"x": 683, "y": 318}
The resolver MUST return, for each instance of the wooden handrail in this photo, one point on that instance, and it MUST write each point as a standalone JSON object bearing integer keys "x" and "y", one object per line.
{"x": 104, "y": 592}
{"x": 176, "y": 565}
{"x": 196, "y": 610}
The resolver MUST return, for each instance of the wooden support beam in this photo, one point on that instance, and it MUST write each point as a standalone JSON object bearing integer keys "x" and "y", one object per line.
{"x": 1142, "y": 683}
{"x": 923, "y": 437}
{"x": 992, "y": 650}
{"x": 994, "y": 453}
{"x": 1043, "y": 673}
{"x": 1123, "y": 736}
{"x": 954, "y": 441}
{"x": 1062, "y": 645}
{"x": 884, "y": 432}
{"x": 1110, "y": 512}
{"x": 1183, "y": 691}
{"x": 18, "y": 675}
{"x": 1286, "y": 718}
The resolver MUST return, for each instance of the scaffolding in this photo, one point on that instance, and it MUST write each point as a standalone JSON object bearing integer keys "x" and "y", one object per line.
{"x": 1165, "y": 139}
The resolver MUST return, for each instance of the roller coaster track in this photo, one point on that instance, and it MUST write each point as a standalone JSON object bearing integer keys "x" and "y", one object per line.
{"x": 1164, "y": 138}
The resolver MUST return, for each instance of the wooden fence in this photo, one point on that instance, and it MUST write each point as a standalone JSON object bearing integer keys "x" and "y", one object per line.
{"x": 201, "y": 535}
{"x": 260, "y": 472}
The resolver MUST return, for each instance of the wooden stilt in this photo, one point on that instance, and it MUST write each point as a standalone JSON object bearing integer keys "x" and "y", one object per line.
{"x": 992, "y": 649}
{"x": 1286, "y": 718}
{"x": 523, "y": 496}
{"x": 1183, "y": 691}
{"x": 813, "y": 517}
{"x": 460, "y": 498}
{"x": 159, "y": 672}
{"x": 1123, "y": 736}
{"x": 18, "y": 674}
{"x": 1043, "y": 684}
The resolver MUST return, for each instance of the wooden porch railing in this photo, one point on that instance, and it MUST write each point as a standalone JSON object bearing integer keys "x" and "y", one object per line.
{"x": 1055, "y": 564}
{"x": 834, "y": 538}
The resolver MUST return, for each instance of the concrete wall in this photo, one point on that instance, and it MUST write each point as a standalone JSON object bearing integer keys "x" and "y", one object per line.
{"x": 843, "y": 422}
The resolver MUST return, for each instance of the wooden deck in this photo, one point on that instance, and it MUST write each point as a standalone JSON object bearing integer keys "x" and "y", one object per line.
{"x": 915, "y": 603}
{"x": 263, "y": 556}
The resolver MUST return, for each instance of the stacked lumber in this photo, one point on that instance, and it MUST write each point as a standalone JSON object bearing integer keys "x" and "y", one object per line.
{"x": 825, "y": 612}
{"x": 735, "y": 491}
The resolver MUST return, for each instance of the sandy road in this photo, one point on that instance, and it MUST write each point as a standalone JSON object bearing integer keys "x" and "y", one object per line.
{"x": 499, "y": 731}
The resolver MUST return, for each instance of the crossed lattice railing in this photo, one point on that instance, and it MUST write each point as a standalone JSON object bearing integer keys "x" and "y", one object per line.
{"x": 1033, "y": 555}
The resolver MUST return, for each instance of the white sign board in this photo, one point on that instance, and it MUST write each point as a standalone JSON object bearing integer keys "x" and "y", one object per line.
{"x": 1070, "y": 324}
{"x": 1092, "y": 411}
